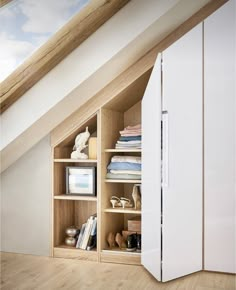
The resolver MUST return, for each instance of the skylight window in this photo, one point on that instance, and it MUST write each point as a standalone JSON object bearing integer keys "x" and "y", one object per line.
{"x": 27, "y": 24}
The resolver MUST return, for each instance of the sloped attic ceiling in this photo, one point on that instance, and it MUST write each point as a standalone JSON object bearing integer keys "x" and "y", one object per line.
{"x": 79, "y": 28}
{"x": 157, "y": 33}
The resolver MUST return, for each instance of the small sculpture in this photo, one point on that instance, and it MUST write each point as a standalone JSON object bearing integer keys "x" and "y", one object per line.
{"x": 136, "y": 196}
{"x": 80, "y": 144}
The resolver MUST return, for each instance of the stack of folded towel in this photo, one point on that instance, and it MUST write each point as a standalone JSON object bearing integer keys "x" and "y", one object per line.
{"x": 130, "y": 138}
{"x": 124, "y": 167}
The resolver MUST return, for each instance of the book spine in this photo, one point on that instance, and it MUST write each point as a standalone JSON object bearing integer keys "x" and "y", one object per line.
{"x": 87, "y": 233}
{"x": 80, "y": 236}
{"x": 92, "y": 238}
{"x": 94, "y": 227}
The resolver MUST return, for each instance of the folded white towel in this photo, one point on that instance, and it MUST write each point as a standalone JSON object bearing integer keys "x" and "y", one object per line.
{"x": 121, "y": 146}
{"x": 135, "y": 172}
{"x": 133, "y": 142}
{"x": 131, "y": 159}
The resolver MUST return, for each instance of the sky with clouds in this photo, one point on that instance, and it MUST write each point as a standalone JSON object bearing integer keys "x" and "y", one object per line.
{"x": 26, "y": 24}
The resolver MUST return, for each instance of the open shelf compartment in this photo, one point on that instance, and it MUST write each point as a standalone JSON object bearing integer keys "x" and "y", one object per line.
{"x": 63, "y": 150}
{"x": 116, "y": 220}
{"x": 68, "y": 213}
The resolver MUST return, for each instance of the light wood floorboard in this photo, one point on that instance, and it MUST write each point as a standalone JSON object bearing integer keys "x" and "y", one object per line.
{"x": 20, "y": 271}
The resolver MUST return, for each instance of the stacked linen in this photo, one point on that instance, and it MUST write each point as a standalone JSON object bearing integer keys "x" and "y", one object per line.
{"x": 124, "y": 167}
{"x": 130, "y": 138}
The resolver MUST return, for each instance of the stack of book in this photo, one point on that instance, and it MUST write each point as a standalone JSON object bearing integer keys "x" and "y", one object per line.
{"x": 88, "y": 234}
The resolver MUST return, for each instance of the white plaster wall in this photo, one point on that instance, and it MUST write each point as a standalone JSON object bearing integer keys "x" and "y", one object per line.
{"x": 99, "y": 48}
{"x": 26, "y": 202}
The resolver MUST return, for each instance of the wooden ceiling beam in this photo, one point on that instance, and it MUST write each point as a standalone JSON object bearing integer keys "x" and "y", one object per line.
{"x": 4, "y": 2}
{"x": 78, "y": 29}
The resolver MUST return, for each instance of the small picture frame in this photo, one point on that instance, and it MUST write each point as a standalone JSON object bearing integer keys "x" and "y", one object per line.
{"x": 80, "y": 181}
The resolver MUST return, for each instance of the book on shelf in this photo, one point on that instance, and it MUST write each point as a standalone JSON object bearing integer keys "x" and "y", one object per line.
{"x": 93, "y": 236}
{"x": 86, "y": 230}
{"x": 78, "y": 244}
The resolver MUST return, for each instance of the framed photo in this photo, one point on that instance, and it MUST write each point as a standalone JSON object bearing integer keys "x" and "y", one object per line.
{"x": 80, "y": 180}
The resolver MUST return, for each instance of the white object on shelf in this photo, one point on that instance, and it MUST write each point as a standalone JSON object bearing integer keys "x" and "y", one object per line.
{"x": 80, "y": 144}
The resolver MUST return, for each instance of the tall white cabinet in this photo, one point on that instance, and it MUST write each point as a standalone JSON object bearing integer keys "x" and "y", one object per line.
{"x": 172, "y": 200}
{"x": 220, "y": 139}
{"x": 189, "y": 153}
{"x": 182, "y": 156}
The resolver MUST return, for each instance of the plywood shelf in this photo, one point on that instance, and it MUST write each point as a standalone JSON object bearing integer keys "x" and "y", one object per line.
{"x": 64, "y": 246}
{"x": 123, "y": 150}
{"x": 118, "y": 251}
{"x": 123, "y": 180}
{"x": 122, "y": 210}
{"x": 75, "y": 197}
{"x": 64, "y": 251}
{"x": 68, "y": 160}
{"x": 120, "y": 256}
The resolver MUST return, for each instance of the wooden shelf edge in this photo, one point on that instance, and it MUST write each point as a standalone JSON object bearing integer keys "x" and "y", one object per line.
{"x": 66, "y": 252}
{"x": 123, "y": 180}
{"x": 121, "y": 210}
{"x": 75, "y": 160}
{"x": 66, "y": 248}
{"x": 75, "y": 197}
{"x": 117, "y": 251}
{"x": 120, "y": 257}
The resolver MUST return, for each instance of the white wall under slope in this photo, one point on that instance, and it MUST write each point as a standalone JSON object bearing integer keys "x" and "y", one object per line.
{"x": 26, "y": 202}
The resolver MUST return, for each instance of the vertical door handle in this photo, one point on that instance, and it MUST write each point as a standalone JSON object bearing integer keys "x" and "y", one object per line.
{"x": 165, "y": 149}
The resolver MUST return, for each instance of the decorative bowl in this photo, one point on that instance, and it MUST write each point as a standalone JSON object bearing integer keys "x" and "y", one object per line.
{"x": 70, "y": 241}
{"x": 72, "y": 231}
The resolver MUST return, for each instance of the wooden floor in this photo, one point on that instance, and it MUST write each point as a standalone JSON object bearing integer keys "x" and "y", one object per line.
{"x": 32, "y": 272}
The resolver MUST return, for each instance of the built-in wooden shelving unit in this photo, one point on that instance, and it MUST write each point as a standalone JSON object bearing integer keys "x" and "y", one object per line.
{"x": 72, "y": 209}
{"x": 116, "y": 219}
{"x": 113, "y": 117}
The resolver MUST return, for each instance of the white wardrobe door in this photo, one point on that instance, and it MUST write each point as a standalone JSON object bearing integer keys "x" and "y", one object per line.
{"x": 220, "y": 140}
{"x": 182, "y": 190}
{"x": 151, "y": 173}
